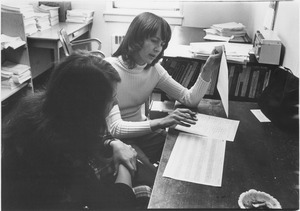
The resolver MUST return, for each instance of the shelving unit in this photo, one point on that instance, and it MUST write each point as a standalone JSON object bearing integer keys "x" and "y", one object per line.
{"x": 12, "y": 25}
{"x": 246, "y": 82}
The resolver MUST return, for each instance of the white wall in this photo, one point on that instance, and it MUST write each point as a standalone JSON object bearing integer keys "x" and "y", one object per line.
{"x": 204, "y": 14}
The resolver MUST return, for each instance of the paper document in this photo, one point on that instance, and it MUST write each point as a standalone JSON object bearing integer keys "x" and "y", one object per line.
{"x": 213, "y": 127}
{"x": 234, "y": 51}
{"x": 222, "y": 84}
{"x": 197, "y": 159}
{"x": 260, "y": 115}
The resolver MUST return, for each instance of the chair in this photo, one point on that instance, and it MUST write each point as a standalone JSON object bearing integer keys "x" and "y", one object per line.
{"x": 68, "y": 45}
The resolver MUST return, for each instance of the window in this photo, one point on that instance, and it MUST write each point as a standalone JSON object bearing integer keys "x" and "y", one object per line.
{"x": 125, "y": 11}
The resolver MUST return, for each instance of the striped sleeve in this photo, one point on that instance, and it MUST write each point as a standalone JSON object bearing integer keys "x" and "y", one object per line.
{"x": 125, "y": 129}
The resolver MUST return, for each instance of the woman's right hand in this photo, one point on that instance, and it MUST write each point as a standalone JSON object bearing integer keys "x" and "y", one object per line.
{"x": 180, "y": 116}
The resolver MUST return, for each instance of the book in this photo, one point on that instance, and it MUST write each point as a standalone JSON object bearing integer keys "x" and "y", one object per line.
{"x": 15, "y": 68}
{"x": 19, "y": 79}
{"x": 6, "y": 74}
{"x": 247, "y": 71}
{"x": 253, "y": 84}
{"x": 79, "y": 15}
{"x": 229, "y": 29}
{"x": 262, "y": 73}
{"x": 8, "y": 84}
{"x": 231, "y": 73}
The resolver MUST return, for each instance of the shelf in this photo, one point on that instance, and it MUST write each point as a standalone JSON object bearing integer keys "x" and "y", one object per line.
{"x": 6, "y": 92}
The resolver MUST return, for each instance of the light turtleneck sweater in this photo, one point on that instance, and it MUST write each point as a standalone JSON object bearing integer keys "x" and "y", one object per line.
{"x": 126, "y": 119}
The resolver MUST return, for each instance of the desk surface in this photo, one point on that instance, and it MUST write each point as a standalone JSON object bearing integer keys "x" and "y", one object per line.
{"x": 51, "y": 34}
{"x": 261, "y": 157}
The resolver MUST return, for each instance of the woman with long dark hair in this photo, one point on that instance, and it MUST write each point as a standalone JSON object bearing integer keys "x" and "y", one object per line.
{"x": 136, "y": 60}
{"x": 53, "y": 156}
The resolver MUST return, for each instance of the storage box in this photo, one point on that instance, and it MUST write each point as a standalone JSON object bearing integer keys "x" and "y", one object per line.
{"x": 63, "y": 7}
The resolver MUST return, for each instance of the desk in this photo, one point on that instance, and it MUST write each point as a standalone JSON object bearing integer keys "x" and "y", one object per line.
{"x": 261, "y": 157}
{"x": 48, "y": 39}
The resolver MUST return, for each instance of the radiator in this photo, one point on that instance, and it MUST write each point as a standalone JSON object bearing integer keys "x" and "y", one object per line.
{"x": 115, "y": 42}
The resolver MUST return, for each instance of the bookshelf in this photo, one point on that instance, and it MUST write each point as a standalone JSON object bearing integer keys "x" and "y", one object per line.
{"x": 246, "y": 81}
{"x": 12, "y": 25}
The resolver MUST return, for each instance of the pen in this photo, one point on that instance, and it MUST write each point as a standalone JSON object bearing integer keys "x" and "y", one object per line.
{"x": 139, "y": 161}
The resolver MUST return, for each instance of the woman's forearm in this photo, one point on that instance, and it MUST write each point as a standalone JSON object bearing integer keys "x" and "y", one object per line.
{"x": 124, "y": 176}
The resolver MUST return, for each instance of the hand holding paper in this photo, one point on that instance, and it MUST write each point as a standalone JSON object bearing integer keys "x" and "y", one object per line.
{"x": 212, "y": 63}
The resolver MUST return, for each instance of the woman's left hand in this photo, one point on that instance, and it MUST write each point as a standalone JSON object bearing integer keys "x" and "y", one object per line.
{"x": 124, "y": 154}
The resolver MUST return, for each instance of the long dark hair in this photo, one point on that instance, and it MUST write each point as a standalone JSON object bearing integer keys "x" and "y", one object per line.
{"x": 142, "y": 27}
{"x": 73, "y": 107}
{"x": 78, "y": 92}
{"x": 48, "y": 139}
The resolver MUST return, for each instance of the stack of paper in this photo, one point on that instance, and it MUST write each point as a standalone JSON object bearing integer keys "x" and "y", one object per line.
{"x": 237, "y": 52}
{"x": 19, "y": 73}
{"x": 12, "y": 42}
{"x": 198, "y": 155}
{"x": 42, "y": 21}
{"x": 28, "y": 14}
{"x": 80, "y": 16}
{"x": 229, "y": 29}
{"x": 227, "y": 32}
{"x": 51, "y": 11}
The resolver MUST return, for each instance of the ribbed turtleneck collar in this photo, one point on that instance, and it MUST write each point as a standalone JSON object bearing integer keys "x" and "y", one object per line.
{"x": 136, "y": 69}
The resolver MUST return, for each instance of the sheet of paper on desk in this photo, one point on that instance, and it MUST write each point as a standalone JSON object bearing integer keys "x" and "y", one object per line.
{"x": 213, "y": 127}
{"x": 196, "y": 159}
{"x": 222, "y": 84}
{"x": 260, "y": 115}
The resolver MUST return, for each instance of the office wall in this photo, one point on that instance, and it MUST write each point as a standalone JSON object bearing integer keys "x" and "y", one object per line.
{"x": 204, "y": 14}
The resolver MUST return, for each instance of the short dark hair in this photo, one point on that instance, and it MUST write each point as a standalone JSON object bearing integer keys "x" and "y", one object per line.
{"x": 142, "y": 27}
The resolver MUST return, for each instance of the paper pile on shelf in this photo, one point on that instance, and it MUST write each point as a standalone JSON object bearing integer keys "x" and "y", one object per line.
{"x": 237, "y": 52}
{"x": 42, "y": 21}
{"x": 51, "y": 11}
{"x": 12, "y": 42}
{"x": 80, "y": 16}
{"x": 230, "y": 31}
{"x": 14, "y": 73}
{"x": 28, "y": 14}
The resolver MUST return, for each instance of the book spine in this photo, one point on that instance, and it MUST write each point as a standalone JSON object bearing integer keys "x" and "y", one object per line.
{"x": 234, "y": 81}
{"x": 246, "y": 81}
{"x": 262, "y": 73}
{"x": 253, "y": 84}
{"x": 239, "y": 81}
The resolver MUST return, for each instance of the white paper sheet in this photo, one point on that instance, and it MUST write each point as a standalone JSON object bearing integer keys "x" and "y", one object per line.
{"x": 213, "y": 127}
{"x": 222, "y": 84}
{"x": 197, "y": 159}
{"x": 259, "y": 115}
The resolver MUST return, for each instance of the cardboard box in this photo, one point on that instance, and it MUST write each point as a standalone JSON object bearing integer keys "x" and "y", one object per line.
{"x": 63, "y": 7}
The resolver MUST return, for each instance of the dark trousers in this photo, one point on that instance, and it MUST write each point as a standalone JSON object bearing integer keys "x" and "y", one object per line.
{"x": 149, "y": 149}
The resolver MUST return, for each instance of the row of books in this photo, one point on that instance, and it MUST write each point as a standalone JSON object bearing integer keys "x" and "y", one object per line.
{"x": 13, "y": 74}
{"x": 184, "y": 72}
{"x": 248, "y": 82}
{"x": 245, "y": 82}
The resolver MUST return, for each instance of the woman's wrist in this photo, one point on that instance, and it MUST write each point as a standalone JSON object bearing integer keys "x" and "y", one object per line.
{"x": 124, "y": 176}
{"x": 156, "y": 124}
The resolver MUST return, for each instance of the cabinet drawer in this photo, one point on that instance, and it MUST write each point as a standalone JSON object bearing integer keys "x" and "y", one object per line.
{"x": 78, "y": 33}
